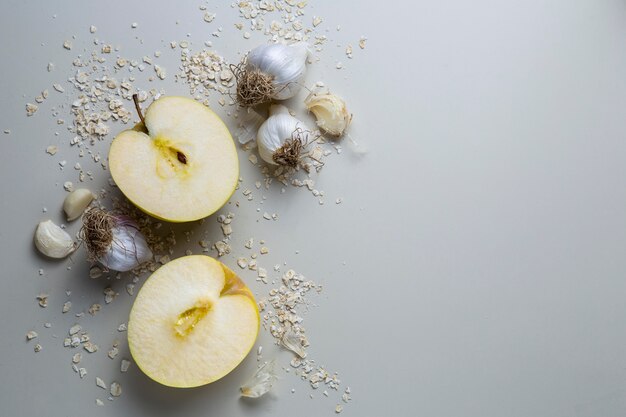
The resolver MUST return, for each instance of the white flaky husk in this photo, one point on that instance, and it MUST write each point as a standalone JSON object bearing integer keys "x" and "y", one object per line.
{"x": 261, "y": 382}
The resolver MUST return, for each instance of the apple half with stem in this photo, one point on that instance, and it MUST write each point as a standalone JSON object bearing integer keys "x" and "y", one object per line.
{"x": 192, "y": 323}
{"x": 179, "y": 164}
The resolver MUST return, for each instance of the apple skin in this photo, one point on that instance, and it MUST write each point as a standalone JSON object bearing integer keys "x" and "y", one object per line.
{"x": 233, "y": 286}
{"x": 119, "y": 174}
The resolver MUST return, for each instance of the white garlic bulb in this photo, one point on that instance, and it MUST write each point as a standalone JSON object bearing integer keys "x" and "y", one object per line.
{"x": 53, "y": 241}
{"x": 282, "y": 138}
{"x": 76, "y": 202}
{"x": 330, "y": 112}
{"x": 114, "y": 240}
{"x": 269, "y": 72}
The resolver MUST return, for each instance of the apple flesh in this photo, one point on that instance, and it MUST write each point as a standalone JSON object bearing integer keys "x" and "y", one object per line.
{"x": 192, "y": 323}
{"x": 183, "y": 167}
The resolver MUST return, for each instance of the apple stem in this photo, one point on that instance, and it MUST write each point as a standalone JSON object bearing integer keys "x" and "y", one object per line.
{"x": 138, "y": 108}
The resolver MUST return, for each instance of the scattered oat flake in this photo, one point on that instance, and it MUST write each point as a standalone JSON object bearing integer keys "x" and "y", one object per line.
{"x": 253, "y": 158}
{"x": 160, "y": 71}
{"x": 316, "y": 21}
{"x": 242, "y": 262}
{"x": 75, "y": 329}
{"x": 38, "y": 347}
{"x": 109, "y": 295}
{"x": 124, "y": 366}
{"x": 100, "y": 383}
{"x": 58, "y": 87}
{"x": 227, "y": 229}
{"x": 68, "y": 186}
{"x": 82, "y": 372}
{"x": 338, "y": 409}
{"x": 93, "y": 310}
{"x": 42, "y": 300}
{"x": 113, "y": 352}
{"x": 116, "y": 389}
{"x": 90, "y": 347}
{"x": 362, "y": 42}
{"x": 92, "y": 29}
{"x": 99, "y": 402}
{"x": 31, "y": 335}
{"x": 77, "y": 357}
{"x": 31, "y": 109}
{"x": 67, "y": 45}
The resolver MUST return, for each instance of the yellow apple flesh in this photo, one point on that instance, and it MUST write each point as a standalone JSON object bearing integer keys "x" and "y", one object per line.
{"x": 184, "y": 168}
{"x": 192, "y": 323}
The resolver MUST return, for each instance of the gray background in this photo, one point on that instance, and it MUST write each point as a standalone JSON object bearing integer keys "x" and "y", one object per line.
{"x": 476, "y": 265}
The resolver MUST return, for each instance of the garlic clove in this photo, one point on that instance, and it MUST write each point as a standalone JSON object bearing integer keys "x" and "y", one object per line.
{"x": 330, "y": 112}
{"x": 76, "y": 202}
{"x": 53, "y": 241}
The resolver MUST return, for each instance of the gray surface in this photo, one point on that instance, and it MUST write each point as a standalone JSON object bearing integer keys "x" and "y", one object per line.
{"x": 476, "y": 266}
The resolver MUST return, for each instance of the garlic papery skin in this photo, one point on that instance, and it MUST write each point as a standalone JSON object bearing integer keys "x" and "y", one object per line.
{"x": 261, "y": 382}
{"x": 114, "y": 240}
{"x": 276, "y": 135}
{"x": 128, "y": 250}
{"x": 53, "y": 241}
{"x": 76, "y": 202}
{"x": 274, "y": 71}
{"x": 330, "y": 112}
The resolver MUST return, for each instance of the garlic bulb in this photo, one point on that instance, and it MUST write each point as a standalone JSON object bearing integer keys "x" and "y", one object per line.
{"x": 261, "y": 382}
{"x": 114, "y": 240}
{"x": 282, "y": 138}
{"x": 53, "y": 241}
{"x": 330, "y": 112}
{"x": 269, "y": 72}
{"x": 76, "y": 202}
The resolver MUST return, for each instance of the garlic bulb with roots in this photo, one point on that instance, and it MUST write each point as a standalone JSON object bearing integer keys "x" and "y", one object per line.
{"x": 114, "y": 240}
{"x": 270, "y": 72}
{"x": 282, "y": 139}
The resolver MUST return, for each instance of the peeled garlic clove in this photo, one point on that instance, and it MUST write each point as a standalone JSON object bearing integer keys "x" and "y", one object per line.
{"x": 76, "y": 202}
{"x": 261, "y": 382}
{"x": 53, "y": 241}
{"x": 330, "y": 112}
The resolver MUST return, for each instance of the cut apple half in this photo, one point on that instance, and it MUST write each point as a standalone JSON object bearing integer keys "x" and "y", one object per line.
{"x": 182, "y": 166}
{"x": 192, "y": 323}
